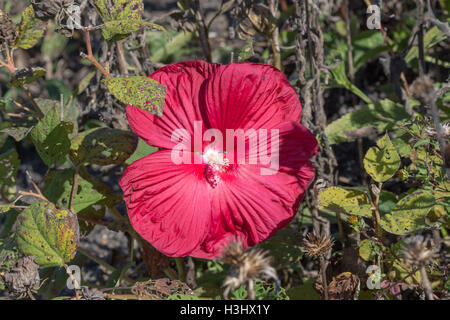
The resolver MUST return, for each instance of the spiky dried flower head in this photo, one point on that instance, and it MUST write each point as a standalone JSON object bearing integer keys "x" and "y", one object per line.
{"x": 317, "y": 245}
{"x": 445, "y": 131}
{"x": 247, "y": 266}
{"x": 7, "y": 28}
{"x": 422, "y": 89}
{"x": 418, "y": 251}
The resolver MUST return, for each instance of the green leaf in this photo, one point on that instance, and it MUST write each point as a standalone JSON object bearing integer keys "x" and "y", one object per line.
{"x": 5, "y": 207}
{"x": 304, "y": 291}
{"x": 53, "y": 44}
{"x": 56, "y": 88}
{"x": 9, "y": 166}
{"x": 142, "y": 150}
{"x": 124, "y": 11}
{"x": 69, "y": 112}
{"x": 123, "y": 28}
{"x": 382, "y": 162}
{"x": 51, "y": 137}
{"x": 246, "y": 52}
{"x": 169, "y": 48}
{"x": 142, "y": 92}
{"x": 29, "y": 31}
{"x": 368, "y": 250}
{"x": 376, "y": 115}
{"x": 18, "y": 133}
{"x": 25, "y": 76}
{"x": 49, "y": 234}
{"x": 342, "y": 81}
{"x": 344, "y": 201}
{"x": 409, "y": 214}
{"x": 284, "y": 247}
{"x": 58, "y": 189}
{"x": 432, "y": 37}
{"x": 103, "y": 146}
{"x": 9, "y": 254}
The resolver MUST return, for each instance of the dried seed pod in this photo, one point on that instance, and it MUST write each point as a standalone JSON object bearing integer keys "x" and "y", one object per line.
{"x": 316, "y": 245}
{"x": 247, "y": 266}
{"x": 23, "y": 278}
{"x": 344, "y": 287}
{"x": 7, "y": 28}
{"x": 180, "y": 20}
{"x": 418, "y": 251}
{"x": 254, "y": 18}
{"x": 49, "y": 9}
{"x": 423, "y": 90}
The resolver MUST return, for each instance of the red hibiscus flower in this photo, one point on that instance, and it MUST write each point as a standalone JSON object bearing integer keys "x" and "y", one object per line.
{"x": 195, "y": 208}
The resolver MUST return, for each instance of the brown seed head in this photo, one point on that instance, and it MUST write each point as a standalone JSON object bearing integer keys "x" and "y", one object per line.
{"x": 316, "y": 245}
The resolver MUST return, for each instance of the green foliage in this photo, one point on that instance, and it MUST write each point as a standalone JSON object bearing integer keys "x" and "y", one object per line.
{"x": 142, "y": 92}
{"x": 409, "y": 213}
{"x": 58, "y": 189}
{"x": 380, "y": 115}
{"x": 9, "y": 254}
{"x": 344, "y": 201}
{"x": 29, "y": 31}
{"x": 341, "y": 80}
{"x": 382, "y": 161}
{"x": 368, "y": 250}
{"x": 26, "y": 76}
{"x": 49, "y": 234}
{"x": 304, "y": 291}
{"x": 51, "y": 137}
{"x": 123, "y": 18}
{"x": 263, "y": 291}
{"x": 103, "y": 146}
{"x": 284, "y": 247}
{"x": 9, "y": 166}
{"x": 142, "y": 150}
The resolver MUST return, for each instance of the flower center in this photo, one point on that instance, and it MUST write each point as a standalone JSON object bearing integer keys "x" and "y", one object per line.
{"x": 216, "y": 165}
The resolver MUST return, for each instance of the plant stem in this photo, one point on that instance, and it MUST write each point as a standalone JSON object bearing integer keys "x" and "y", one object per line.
{"x": 275, "y": 51}
{"x": 90, "y": 55}
{"x": 33, "y": 102}
{"x": 203, "y": 31}
{"x": 180, "y": 268}
{"x": 426, "y": 283}
{"x": 74, "y": 189}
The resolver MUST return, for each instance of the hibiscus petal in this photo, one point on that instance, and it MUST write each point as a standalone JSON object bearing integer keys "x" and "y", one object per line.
{"x": 249, "y": 95}
{"x": 252, "y": 207}
{"x": 167, "y": 203}
{"x": 294, "y": 142}
{"x": 183, "y": 81}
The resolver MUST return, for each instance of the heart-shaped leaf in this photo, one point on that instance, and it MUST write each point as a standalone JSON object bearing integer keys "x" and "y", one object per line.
{"x": 49, "y": 234}
{"x": 382, "y": 162}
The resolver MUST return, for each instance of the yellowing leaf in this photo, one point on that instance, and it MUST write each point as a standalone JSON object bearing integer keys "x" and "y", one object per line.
{"x": 339, "y": 200}
{"x": 409, "y": 213}
{"x": 29, "y": 31}
{"x": 119, "y": 17}
{"x": 49, "y": 234}
{"x": 142, "y": 92}
{"x": 382, "y": 162}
